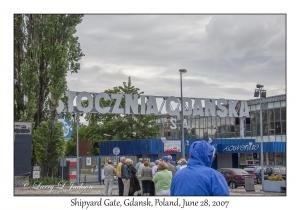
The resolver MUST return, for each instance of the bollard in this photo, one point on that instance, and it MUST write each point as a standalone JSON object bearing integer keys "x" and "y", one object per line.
{"x": 249, "y": 184}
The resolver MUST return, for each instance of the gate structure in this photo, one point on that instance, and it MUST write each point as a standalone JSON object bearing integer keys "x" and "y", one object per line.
{"x": 88, "y": 169}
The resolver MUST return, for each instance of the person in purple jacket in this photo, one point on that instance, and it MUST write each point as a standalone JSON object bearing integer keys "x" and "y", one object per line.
{"x": 198, "y": 178}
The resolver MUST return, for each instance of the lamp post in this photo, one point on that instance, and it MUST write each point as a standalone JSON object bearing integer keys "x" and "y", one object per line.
{"x": 182, "y": 71}
{"x": 107, "y": 135}
{"x": 261, "y": 94}
{"x": 76, "y": 117}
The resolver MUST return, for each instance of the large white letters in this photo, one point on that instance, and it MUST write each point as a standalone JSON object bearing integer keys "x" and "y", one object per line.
{"x": 222, "y": 106}
{"x": 80, "y": 106}
{"x": 152, "y": 106}
{"x": 168, "y": 106}
{"x": 148, "y": 105}
{"x": 131, "y": 101}
{"x": 100, "y": 109}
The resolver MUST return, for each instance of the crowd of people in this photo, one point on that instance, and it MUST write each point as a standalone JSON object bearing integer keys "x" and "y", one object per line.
{"x": 165, "y": 177}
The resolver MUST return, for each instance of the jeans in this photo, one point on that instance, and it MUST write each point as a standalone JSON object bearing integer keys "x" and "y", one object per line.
{"x": 121, "y": 186}
{"x": 109, "y": 183}
{"x": 126, "y": 183}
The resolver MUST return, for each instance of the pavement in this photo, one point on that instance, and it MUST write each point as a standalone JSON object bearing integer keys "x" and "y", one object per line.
{"x": 95, "y": 189}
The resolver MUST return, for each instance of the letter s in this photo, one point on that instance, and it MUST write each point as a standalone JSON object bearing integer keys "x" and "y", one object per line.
{"x": 172, "y": 121}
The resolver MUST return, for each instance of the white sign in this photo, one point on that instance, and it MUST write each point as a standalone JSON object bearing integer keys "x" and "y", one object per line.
{"x": 116, "y": 150}
{"x": 22, "y": 128}
{"x": 172, "y": 146}
{"x": 36, "y": 168}
{"x": 88, "y": 161}
{"x": 36, "y": 175}
{"x": 143, "y": 104}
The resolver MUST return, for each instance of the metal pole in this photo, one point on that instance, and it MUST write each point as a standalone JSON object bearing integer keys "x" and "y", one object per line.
{"x": 77, "y": 160}
{"x": 261, "y": 144}
{"x": 62, "y": 174}
{"x": 182, "y": 130}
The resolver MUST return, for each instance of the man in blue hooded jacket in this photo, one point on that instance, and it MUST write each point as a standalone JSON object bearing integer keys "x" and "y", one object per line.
{"x": 198, "y": 179}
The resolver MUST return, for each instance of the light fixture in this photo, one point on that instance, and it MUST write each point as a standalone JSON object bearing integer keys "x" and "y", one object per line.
{"x": 261, "y": 94}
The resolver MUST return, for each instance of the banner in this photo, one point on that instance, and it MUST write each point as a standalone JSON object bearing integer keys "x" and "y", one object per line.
{"x": 66, "y": 126}
{"x": 172, "y": 146}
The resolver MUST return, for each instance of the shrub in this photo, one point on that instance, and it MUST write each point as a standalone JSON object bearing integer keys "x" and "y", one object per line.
{"x": 276, "y": 177}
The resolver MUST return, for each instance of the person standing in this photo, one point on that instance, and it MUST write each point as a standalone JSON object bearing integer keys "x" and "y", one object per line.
{"x": 138, "y": 174}
{"x": 202, "y": 179}
{"x": 171, "y": 161}
{"x": 134, "y": 181}
{"x": 162, "y": 179}
{"x": 170, "y": 166}
{"x": 109, "y": 172}
{"x": 125, "y": 173}
{"x": 137, "y": 165}
{"x": 146, "y": 177}
{"x": 183, "y": 164}
{"x": 154, "y": 171}
{"x": 119, "y": 175}
{"x": 178, "y": 165}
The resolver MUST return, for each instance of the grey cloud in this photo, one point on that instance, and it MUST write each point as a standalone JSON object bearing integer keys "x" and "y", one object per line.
{"x": 225, "y": 55}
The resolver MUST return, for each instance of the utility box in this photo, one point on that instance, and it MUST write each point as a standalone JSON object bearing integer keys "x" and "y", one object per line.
{"x": 249, "y": 184}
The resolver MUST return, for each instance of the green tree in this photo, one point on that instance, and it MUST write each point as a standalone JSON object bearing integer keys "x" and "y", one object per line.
{"x": 70, "y": 146}
{"x": 45, "y": 49}
{"x": 49, "y": 146}
{"x": 120, "y": 127}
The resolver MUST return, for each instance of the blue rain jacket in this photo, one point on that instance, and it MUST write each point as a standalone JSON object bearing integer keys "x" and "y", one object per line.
{"x": 198, "y": 179}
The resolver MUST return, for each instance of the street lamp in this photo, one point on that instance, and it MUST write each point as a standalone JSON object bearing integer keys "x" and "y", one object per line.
{"x": 182, "y": 71}
{"x": 76, "y": 117}
{"x": 261, "y": 94}
{"x": 107, "y": 135}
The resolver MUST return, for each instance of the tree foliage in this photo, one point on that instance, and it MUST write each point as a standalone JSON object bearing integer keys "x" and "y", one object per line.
{"x": 49, "y": 146}
{"x": 45, "y": 50}
{"x": 120, "y": 127}
{"x": 70, "y": 147}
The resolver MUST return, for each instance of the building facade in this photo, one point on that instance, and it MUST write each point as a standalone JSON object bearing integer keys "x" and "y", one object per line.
{"x": 237, "y": 139}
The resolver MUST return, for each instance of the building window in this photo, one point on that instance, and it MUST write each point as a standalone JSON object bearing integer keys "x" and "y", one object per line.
{"x": 283, "y": 128}
{"x": 253, "y": 124}
{"x": 265, "y": 129}
{"x": 271, "y": 121}
{"x": 277, "y": 128}
{"x": 283, "y": 113}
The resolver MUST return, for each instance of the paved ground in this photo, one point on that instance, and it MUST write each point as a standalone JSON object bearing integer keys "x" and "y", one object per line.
{"x": 96, "y": 190}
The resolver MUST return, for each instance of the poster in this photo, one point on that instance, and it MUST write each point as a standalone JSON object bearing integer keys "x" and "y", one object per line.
{"x": 172, "y": 146}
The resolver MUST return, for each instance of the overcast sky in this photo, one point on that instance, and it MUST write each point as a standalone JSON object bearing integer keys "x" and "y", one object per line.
{"x": 225, "y": 55}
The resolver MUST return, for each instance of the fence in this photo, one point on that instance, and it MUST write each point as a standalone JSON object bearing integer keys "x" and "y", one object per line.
{"x": 89, "y": 167}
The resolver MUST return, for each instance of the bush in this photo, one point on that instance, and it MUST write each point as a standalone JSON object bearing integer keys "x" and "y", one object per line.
{"x": 274, "y": 177}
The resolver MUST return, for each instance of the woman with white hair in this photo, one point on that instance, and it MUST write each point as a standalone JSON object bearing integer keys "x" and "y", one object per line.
{"x": 183, "y": 164}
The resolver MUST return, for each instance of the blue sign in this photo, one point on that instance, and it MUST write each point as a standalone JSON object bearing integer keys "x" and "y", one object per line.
{"x": 239, "y": 148}
{"x": 66, "y": 126}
